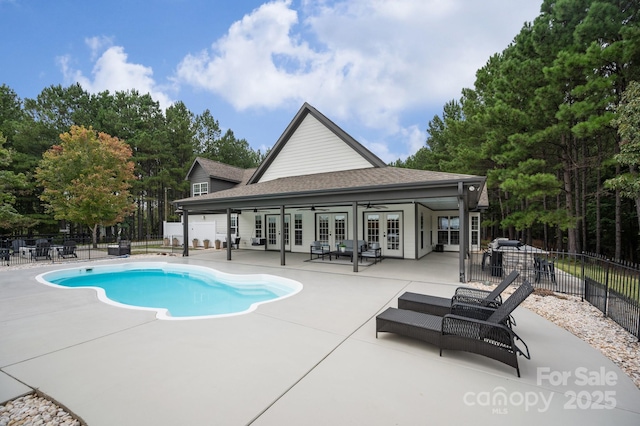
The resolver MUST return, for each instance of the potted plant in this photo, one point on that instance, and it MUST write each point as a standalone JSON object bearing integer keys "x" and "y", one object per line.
{"x": 217, "y": 244}
{"x": 195, "y": 243}
{"x": 206, "y": 244}
{"x": 342, "y": 247}
{"x": 166, "y": 242}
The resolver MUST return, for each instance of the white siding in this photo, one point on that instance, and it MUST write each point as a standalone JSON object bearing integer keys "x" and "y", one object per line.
{"x": 313, "y": 149}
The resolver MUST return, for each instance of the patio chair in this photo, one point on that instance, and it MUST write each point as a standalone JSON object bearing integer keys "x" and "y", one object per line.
{"x": 41, "y": 250}
{"x": 544, "y": 267}
{"x": 374, "y": 251}
{"x": 490, "y": 337}
{"x": 15, "y": 246}
{"x": 320, "y": 250}
{"x": 68, "y": 249}
{"x": 441, "y": 306}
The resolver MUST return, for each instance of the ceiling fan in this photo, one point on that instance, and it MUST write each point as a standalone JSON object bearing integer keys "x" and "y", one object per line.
{"x": 313, "y": 209}
{"x": 256, "y": 210}
{"x": 373, "y": 206}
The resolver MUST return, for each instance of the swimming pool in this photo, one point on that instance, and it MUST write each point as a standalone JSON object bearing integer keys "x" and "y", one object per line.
{"x": 175, "y": 291}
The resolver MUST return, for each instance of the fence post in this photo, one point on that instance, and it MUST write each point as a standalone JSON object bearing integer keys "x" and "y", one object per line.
{"x": 584, "y": 278}
{"x": 606, "y": 286}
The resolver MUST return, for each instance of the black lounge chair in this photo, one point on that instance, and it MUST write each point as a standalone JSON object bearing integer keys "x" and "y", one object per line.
{"x": 41, "y": 250}
{"x": 441, "y": 306}
{"x": 490, "y": 337}
{"x": 68, "y": 249}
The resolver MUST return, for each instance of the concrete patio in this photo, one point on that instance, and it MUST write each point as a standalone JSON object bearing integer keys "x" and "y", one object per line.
{"x": 311, "y": 359}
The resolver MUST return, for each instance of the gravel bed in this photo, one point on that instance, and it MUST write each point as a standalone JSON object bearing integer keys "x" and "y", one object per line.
{"x": 585, "y": 321}
{"x": 568, "y": 312}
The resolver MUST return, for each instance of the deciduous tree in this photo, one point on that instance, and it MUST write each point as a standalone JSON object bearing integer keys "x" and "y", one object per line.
{"x": 86, "y": 178}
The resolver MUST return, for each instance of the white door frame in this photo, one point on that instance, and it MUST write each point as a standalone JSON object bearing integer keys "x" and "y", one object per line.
{"x": 331, "y": 228}
{"x": 273, "y": 231}
{"x": 385, "y": 227}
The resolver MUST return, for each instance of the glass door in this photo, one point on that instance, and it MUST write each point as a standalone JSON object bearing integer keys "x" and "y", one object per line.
{"x": 274, "y": 232}
{"x": 331, "y": 228}
{"x": 386, "y": 229}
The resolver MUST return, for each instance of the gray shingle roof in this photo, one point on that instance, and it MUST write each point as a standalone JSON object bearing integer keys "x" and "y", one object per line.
{"x": 361, "y": 178}
{"x": 218, "y": 170}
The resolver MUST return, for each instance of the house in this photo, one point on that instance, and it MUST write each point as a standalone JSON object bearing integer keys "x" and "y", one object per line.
{"x": 320, "y": 184}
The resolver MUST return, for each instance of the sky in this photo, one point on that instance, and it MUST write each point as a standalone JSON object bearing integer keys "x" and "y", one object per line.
{"x": 379, "y": 69}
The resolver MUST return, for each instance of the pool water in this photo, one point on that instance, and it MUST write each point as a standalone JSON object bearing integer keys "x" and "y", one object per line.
{"x": 175, "y": 291}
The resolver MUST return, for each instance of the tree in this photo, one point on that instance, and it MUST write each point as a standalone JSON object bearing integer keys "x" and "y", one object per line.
{"x": 628, "y": 124}
{"x": 10, "y": 182}
{"x": 86, "y": 178}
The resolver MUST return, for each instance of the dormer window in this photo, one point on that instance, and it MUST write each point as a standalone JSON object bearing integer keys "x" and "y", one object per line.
{"x": 201, "y": 188}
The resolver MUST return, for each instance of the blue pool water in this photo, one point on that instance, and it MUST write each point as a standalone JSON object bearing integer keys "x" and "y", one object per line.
{"x": 175, "y": 291}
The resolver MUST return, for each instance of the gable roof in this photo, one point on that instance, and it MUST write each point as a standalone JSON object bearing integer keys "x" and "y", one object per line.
{"x": 218, "y": 170}
{"x": 299, "y": 118}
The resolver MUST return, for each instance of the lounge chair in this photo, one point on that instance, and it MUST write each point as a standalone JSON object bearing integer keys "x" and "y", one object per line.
{"x": 440, "y": 306}
{"x": 490, "y": 338}
{"x": 15, "y": 246}
{"x": 374, "y": 251}
{"x": 41, "y": 250}
{"x": 320, "y": 250}
{"x": 68, "y": 249}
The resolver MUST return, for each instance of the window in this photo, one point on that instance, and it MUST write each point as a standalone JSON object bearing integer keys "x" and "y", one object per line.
{"x": 258, "y": 226}
{"x": 234, "y": 224}
{"x": 449, "y": 230}
{"x": 297, "y": 230}
{"x": 421, "y": 230}
{"x": 475, "y": 228}
{"x": 201, "y": 188}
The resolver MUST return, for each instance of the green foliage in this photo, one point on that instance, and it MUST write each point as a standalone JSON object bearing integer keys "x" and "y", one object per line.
{"x": 87, "y": 177}
{"x": 537, "y": 123}
{"x": 164, "y": 144}
{"x": 10, "y": 184}
{"x": 628, "y": 124}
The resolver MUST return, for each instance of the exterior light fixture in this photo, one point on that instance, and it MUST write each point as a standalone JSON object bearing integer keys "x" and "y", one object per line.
{"x": 472, "y": 188}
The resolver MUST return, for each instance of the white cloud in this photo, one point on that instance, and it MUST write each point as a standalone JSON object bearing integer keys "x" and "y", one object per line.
{"x": 112, "y": 71}
{"x": 97, "y": 44}
{"x": 362, "y": 60}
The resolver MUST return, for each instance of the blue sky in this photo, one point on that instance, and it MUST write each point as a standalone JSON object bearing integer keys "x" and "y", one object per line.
{"x": 380, "y": 69}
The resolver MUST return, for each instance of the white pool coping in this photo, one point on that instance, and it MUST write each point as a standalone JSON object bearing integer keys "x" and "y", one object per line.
{"x": 284, "y": 287}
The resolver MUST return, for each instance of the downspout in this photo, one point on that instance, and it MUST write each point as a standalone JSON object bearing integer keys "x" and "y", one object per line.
{"x": 185, "y": 231}
{"x": 355, "y": 236}
{"x": 462, "y": 208}
{"x": 228, "y": 234}
{"x": 282, "y": 247}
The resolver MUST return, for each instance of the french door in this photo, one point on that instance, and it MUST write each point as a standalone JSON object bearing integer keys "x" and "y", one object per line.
{"x": 331, "y": 228}
{"x": 386, "y": 229}
{"x": 274, "y": 232}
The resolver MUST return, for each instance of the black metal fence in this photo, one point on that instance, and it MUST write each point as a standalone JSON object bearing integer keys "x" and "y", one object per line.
{"x": 25, "y": 249}
{"x": 611, "y": 286}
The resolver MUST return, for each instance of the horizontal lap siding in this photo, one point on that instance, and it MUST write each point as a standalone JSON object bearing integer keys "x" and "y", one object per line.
{"x": 313, "y": 149}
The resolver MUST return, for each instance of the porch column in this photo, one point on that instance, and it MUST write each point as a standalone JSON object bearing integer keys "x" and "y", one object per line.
{"x": 355, "y": 236}
{"x": 462, "y": 209}
{"x": 282, "y": 234}
{"x": 228, "y": 234}
{"x": 185, "y": 231}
